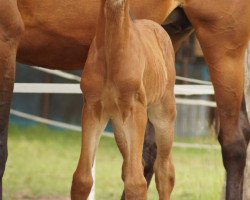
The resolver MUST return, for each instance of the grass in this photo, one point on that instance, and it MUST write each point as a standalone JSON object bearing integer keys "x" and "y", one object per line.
{"x": 41, "y": 162}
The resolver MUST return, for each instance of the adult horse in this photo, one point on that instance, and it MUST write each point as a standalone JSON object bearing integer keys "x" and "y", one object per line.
{"x": 57, "y": 34}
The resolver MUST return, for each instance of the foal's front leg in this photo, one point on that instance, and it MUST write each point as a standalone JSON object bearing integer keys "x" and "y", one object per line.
{"x": 92, "y": 127}
{"x": 129, "y": 135}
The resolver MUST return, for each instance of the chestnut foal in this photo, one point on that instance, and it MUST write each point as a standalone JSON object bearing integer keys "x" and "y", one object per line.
{"x": 128, "y": 77}
{"x": 57, "y": 34}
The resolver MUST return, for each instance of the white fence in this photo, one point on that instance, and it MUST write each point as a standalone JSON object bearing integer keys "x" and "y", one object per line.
{"x": 186, "y": 90}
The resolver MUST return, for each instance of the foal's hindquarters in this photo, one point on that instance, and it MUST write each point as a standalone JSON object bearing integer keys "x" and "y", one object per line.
{"x": 129, "y": 83}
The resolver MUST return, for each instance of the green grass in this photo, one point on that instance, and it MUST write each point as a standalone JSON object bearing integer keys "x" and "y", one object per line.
{"x": 41, "y": 162}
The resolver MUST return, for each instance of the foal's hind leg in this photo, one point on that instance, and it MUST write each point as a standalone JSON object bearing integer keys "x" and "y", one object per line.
{"x": 11, "y": 28}
{"x": 162, "y": 116}
{"x": 149, "y": 154}
{"x": 92, "y": 127}
{"x": 129, "y": 135}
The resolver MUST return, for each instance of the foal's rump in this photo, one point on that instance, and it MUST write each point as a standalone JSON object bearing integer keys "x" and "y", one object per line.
{"x": 159, "y": 72}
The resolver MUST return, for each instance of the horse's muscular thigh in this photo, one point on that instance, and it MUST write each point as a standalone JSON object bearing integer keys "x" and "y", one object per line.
{"x": 221, "y": 27}
{"x": 11, "y": 24}
{"x": 11, "y": 28}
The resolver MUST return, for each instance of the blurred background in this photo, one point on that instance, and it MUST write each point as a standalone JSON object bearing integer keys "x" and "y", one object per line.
{"x": 43, "y": 157}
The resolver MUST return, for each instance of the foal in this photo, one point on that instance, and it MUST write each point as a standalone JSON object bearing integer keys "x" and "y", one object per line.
{"x": 128, "y": 77}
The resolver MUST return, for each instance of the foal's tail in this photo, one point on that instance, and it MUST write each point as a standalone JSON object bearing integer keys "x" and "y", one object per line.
{"x": 117, "y": 3}
{"x": 117, "y": 11}
{"x": 114, "y": 19}
{"x": 118, "y": 26}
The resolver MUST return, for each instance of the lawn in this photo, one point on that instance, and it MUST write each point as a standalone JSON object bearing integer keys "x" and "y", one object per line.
{"x": 41, "y": 162}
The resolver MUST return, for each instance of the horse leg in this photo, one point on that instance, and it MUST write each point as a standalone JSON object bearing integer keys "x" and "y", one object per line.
{"x": 149, "y": 152}
{"x": 223, "y": 32}
{"x": 231, "y": 137}
{"x": 245, "y": 127}
{"x": 148, "y": 155}
{"x": 129, "y": 135}
{"x": 227, "y": 77}
{"x": 162, "y": 116}
{"x": 11, "y": 28}
{"x": 92, "y": 127}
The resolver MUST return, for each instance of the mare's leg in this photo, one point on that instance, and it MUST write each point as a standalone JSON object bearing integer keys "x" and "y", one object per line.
{"x": 129, "y": 135}
{"x": 92, "y": 127}
{"x": 162, "y": 116}
{"x": 223, "y": 32}
{"x": 227, "y": 78}
{"x": 11, "y": 28}
{"x": 179, "y": 28}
